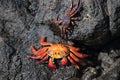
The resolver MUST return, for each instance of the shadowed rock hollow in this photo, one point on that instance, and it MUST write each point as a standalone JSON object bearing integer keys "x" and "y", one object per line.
{"x": 23, "y": 22}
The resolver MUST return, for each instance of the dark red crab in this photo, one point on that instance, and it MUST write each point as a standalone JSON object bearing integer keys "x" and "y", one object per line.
{"x": 68, "y": 19}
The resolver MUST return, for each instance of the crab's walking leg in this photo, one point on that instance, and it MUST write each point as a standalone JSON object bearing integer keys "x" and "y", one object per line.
{"x": 62, "y": 32}
{"x": 73, "y": 23}
{"x": 57, "y": 20}
{"x": 75, "y": 9}
{"x": 74, "y": 48}
{"x": 44, "y": 59}
{"x": 80, "y": 55}
{"x": 75, "y": 58}
{"x": 64, "y": 61}
{"x": 40, "y": 51}
{"x": 43, "y": 43}
{"x": 65, "y": 33}
{"x": 43, "y": 55}
{"x": 70, "y": 8}
{"x": 75, "y": 18}
{"x": 34, "y": 57}
{"x": 51, "y": 64}
{"x": 33, "y": 50}
{"x": 73, "y": 62}
{"x": 38, "y": 56}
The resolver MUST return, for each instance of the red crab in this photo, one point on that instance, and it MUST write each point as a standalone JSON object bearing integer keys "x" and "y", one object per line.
{"x": 68, "y": 19}
{"x": 53, "y": 51}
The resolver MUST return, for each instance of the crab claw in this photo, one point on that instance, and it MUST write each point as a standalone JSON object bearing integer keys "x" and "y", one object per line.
{"x": 51, "y": 64}
{"x": 64, "y": 62}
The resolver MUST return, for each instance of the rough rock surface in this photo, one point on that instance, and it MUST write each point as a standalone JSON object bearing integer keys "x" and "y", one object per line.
{"x": 23, "y": 22}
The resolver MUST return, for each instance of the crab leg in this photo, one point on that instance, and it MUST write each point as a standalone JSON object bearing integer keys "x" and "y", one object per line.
{"x": 75, "y": 18}
{"x": 58, "y": 21}
{"x": 73, "y": 62}
{"x": 65, "y": 32}
{"x": 64, "y": 61}
{"x": 75, "y": 9}
{"x": 75, "y": 58}
{"x": 74, "y": 48}
{"x": 42, "y": 55}
{"x": 34, "y": 57}
{"x": 33, "y": 50}
{"x": 43, "y": 43}
{"x": 78, "y": 54}
{"x": 51, "y": 64}
{"x": 62, "y": 32}
{"x": 38, "y": 56}
{"x": 71, "y": 6}
{"x": 44, "y": 59}
{"x": 73, "y": 23}
{"x": 40, "y": 51}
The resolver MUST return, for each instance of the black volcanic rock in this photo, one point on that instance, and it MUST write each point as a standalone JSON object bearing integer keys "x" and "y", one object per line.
{"x": 23, "y": 22}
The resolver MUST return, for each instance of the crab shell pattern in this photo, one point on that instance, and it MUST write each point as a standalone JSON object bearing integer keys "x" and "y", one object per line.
{"x": 57, "y": 51}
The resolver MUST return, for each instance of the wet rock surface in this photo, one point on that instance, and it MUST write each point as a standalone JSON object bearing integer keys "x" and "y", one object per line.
{"x": 23, "y": 22}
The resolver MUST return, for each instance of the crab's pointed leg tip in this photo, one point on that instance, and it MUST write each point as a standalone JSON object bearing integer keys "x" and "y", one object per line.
{"x": 51, "y": 64}
{"x": 37, "y": 62}
{"x": 86, "y": 55}
{"x": 31, "y": 47}
{"x": 28, "y": 56}
{"x": 77, "y": 67}
{"x": 64, "y": 62}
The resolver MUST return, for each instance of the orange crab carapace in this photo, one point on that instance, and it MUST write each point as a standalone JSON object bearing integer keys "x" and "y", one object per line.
{"x": 57, "y": 51}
